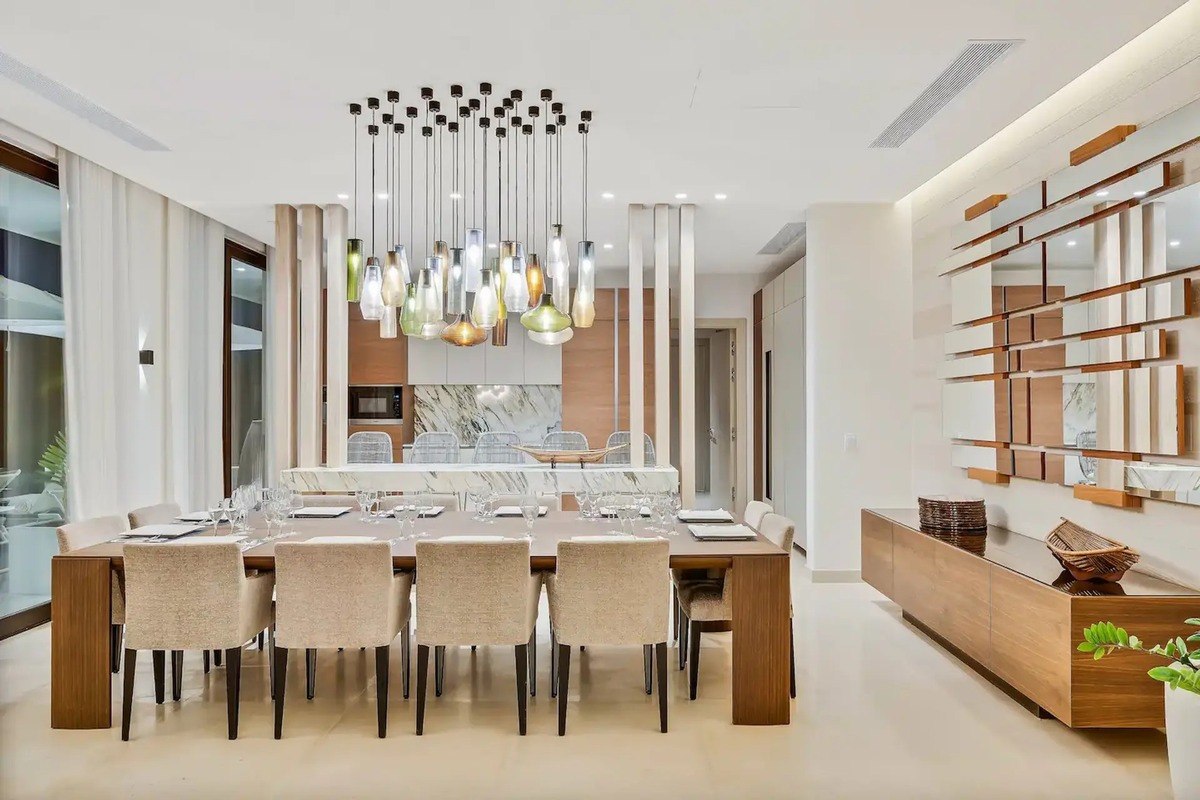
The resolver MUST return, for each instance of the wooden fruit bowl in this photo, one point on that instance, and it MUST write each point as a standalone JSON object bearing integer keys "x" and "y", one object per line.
{"x": 556, "y": 457}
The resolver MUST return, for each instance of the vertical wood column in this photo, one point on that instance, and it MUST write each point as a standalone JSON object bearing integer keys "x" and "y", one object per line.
{"x": 81, "y": 607}
{"x": 637, "y": 353}
{"x": 761, "y": 640}
{"x": 308, "y": 405}
{"x": 337, "y": 351}
{"x": 662, "y": 333}
{"x": 281, "y": 347}
{"x": 687, "y": 353}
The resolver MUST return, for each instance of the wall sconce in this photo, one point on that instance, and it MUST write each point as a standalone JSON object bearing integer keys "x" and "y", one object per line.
{"x": 146, "y": 357}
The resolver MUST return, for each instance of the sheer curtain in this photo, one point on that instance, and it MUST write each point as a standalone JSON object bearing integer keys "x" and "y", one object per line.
{"x": 139, "y": 272}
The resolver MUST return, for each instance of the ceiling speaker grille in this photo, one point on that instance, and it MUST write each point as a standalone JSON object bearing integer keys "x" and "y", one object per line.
{"x": 788, "y": 235}
{"x": 71, "y": 100}
{"x": 976, "y": 57}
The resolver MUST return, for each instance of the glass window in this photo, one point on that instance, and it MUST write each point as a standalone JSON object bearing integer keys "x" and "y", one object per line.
{"x": 32, "y": 409}
{"x": 245, "y": 443}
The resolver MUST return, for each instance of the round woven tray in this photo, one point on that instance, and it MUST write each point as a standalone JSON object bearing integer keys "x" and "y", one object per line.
{"x": 952, "y": 513}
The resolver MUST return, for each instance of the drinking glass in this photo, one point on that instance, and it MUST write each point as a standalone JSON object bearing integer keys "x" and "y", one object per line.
{"x": 407, "y": 513}
{"x": 363, "y": 498}
{"x": 487, "y": 512}
{"x": 295, "y": 502}
{"x": 584, "y": 498}
{"x": 477, "y": 499}
{"x": 216, "y": 510}
{"x": 530, "y": 506}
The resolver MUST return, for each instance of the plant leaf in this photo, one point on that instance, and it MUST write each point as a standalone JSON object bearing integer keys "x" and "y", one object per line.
{"x": 1123, "y": 637}
{"x": 1086, "y": 647}
{"x": 1192, "y": 621}
{"x": 1135, "y": 643}
{"x": 1164, "y": 674}
{"x": 1099, "y": 654}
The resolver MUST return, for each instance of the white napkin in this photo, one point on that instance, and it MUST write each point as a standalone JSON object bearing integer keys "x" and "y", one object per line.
{"x": 168, "y": 531}
{"x": 425, "y": 511}
{"x": 320, "y": 512}
{"x": 705, "y": 515}
{"x": 515, "y": 511}
{"x": 722, "y": 532}
{"x": 195, "y": 516}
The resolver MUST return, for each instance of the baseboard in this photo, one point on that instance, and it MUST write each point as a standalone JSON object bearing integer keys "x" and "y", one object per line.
{"x": 836, "y": 576}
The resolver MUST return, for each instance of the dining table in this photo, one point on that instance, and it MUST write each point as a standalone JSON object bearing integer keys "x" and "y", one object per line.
{"x": 82, "y": 684}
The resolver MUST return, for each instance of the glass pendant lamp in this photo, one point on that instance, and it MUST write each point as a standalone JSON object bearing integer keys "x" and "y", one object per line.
{"x": 545, "y": 317}
{"x": 388, "y": 323}
{"x": 463, "y": 333}
{"x": 456, "y": 292}
{"x": 395, "y": 276}
{"x": 473, "y": 259}
{"x": 486, "y": 310}
{"x": 534, "y": 279}
{"x": 432, "y": 330}
{"x": 561, "y": 337}
{"x": 442, "y": 251}
{"x": 371, "y": 297}
{"x": 583, "y": 311}
{"x": 516, "y": 290}
{"x": 429, "y": 299}
{"x": 558, "y": 267}
{"x": 500, "y": 329}
{"x": 354, "y": 257}
{"x": 410, "y": 322}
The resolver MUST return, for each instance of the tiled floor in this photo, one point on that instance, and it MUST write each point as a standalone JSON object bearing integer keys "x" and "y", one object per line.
{"x": 881, "y": 712}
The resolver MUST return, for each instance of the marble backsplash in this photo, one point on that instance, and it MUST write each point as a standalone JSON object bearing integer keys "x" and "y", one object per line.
{"x": 530, "y": 411}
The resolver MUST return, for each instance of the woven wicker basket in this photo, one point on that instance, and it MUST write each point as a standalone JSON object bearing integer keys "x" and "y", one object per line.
{"x": 1089, "y": 556}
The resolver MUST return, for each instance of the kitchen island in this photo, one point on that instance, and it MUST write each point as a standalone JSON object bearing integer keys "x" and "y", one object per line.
{"x": 502, "y": 478}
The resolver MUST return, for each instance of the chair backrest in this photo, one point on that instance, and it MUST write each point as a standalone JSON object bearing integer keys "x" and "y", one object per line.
{"x": 329, "y": 500}
{"x": 435, "y": 447}
{"x": 611, "y": 591}
{"x": 333, "y": 594}
{"x": 450, "y": 501}
{"x": 369, "y": 447}
{"x": 473, "y": 590}
{"x": 565, "y": 440}
{"x": 495, "y": 447}
{"x": 252, "y": 458}
{"x": 779, "y": 529}
{"x": 755, "y": 510}
{"x": 154, "y": 515}
{"x": 87, "y": 532}
{"x": 623, "y": 456}
{"x": 184, "y": 595}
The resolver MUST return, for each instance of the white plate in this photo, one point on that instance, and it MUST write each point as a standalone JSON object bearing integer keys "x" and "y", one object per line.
{"x": 321, "y": 512}
{"x": 705, "y": 515}
{"x": 169, "y": 531}
{"x": 426, "y": 511}
{"x": 605, "y": 511}
{"x": 722, "y": 533}
{"x": 515, "y": 511}
{"x": 195, "y": 516}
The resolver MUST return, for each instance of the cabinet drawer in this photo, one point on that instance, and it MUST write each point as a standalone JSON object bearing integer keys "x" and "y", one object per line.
{"x": 913, "y": 574}
{"x": 877, "y": 552}
{"x": 961, "y": 590}
{"x": 1031, "y": 640}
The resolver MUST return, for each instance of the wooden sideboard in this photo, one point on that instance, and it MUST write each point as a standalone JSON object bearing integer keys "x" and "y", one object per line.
{"x": 1014, "y": 615}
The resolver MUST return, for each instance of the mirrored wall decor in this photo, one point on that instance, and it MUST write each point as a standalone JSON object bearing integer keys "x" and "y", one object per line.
{"x": 1011, "y": 283}
{"x": 976, "y": 337}
{"x": 962, "y": 256}
{"x": 994, "y": 459}
{"x": 1096, "y": 352}
{"x": 1152, "y": 178}
{"x": 1178, "y": 483}
{"x": 970, "y": 366}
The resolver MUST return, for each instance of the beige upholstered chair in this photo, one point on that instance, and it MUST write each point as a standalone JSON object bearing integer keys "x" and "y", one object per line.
{"x": 191, "y": 595}
{"x": 368, "y": 609}
{"x": 475, "y": 590}
{"x": 329, "y": 500}
{"x": 160, "y": 514}
{"x": 609, "y": 590}
{"x": 754, "y": 512}
{"x": 85, "y": 533}
{"x": 707, "y": 600}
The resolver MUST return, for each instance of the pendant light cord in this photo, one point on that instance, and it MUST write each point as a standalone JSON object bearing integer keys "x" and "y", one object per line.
{"x": 373, "y": 127}
{"x": 584, "y": 197}
{"x": 354, "y": 119}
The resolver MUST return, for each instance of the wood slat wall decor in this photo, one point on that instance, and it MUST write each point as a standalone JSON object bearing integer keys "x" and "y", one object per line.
{"x": 1094, "y": 147}
{"x": 984, "y": 206}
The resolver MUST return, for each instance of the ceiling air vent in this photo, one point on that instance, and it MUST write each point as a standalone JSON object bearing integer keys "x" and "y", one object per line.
{"x": 788, "y": 235}
{"x": 977, "y": 56}
{"x": 77, "y": 104}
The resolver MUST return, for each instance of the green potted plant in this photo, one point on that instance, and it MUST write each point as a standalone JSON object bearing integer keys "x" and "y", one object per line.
{"x": 1182, "y": 693}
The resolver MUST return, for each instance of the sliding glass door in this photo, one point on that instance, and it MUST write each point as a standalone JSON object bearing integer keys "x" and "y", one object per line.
{"x": 32, "y": 411}
{"x": 245, "y": 438}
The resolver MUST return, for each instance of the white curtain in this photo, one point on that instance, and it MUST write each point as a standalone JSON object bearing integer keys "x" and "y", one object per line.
{"x": 139, "y": 272}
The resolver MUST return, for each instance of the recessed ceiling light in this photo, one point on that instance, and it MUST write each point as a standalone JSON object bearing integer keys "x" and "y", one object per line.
{"x": 1173, "y": 243}
{"x": 382, "y": 195}
{"x": 455, "y": 196}
{"x": 720, "y": 196}
{"x": 491, "y": 245}
{"x": 1102, "y": 193}
{"x": 343, "y": 196}
{"x": 681, "y": 196}
{"x": 239, "y": 269}
{"x": 1139, "y": 194}
{"x": 1071, "y": 243}
{"x": 607, "y": 195}
{"x": 608, "y": 245}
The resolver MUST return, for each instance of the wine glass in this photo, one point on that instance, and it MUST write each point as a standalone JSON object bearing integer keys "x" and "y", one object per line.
{"x": 530, "y": 508}
{"x": 216, "y": 510}
{"x": 295, "y": 502}
{"x": 363, "y": 498}
{"x": 584, "y": 498}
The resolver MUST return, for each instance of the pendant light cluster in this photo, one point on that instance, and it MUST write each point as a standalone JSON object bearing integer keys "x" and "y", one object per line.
{"x": 473, "y": 278}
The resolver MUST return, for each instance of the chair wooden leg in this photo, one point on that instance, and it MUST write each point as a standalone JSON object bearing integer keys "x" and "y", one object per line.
{"x": 553, "y": 665}
{"x": 260, "y": 641}
{"x": 522, "y": 659}
{"x": 271, "y": 658}
{"x": 792, "y": 657}
{"x": 281, "y": 657}
{"x": 693, "y": 657}
{"x": 422, "y": 679}
{"x": 207, "y": 661}
{"x": 648, "y": 666}
{"x": 564, "y": 685}
{"x": 661, "y": 653}
{"x": 176, "y": 675}
{"x": 114, "y": 647}
{"x": 233, "y": 687}
{"x": 381, "y": 686}
{"x": 683, "y": 639}
{"x": 310, "y": 672}
{"x": 533, "y": 664}
{"x": 439, "y": 669}
{"x": 217, "y": 658}
{"x": 127, "y": 697}
{"x": 159, "y": 659}
{"x": 675, "y": 610}
{"x": 405, "y": 658}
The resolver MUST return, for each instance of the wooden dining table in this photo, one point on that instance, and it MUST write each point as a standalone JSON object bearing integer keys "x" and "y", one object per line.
{"x": 82, "y": 684}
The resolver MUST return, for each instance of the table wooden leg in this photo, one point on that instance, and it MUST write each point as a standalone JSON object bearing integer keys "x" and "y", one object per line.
{"x": 80, "y": 638}
{"x": 761, "y": 602}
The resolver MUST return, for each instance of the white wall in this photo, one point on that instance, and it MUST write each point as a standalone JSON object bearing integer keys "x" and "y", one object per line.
{"x": 1131, "y": 87}
{"x": 859, "y": 313}
{"x": 521, "y": 361}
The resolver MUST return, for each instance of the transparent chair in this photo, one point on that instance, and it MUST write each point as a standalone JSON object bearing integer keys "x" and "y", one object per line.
{"x": 495, "y": 447}
{"x": 623, "y": 456}
{"x": 369, "y": 447}
{"x": 251, "y": 463}
{"x": 565, "y": 440}
{"x": 435, "y": 447}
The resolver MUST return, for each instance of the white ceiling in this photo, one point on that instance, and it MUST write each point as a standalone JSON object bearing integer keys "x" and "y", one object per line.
{"x": 773, "y": 103}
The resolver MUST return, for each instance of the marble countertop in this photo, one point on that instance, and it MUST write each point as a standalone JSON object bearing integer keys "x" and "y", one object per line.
{"x": 504, "y": 478}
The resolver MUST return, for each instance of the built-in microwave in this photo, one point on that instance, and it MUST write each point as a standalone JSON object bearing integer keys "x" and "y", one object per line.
{"x": 376, "y": 404}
